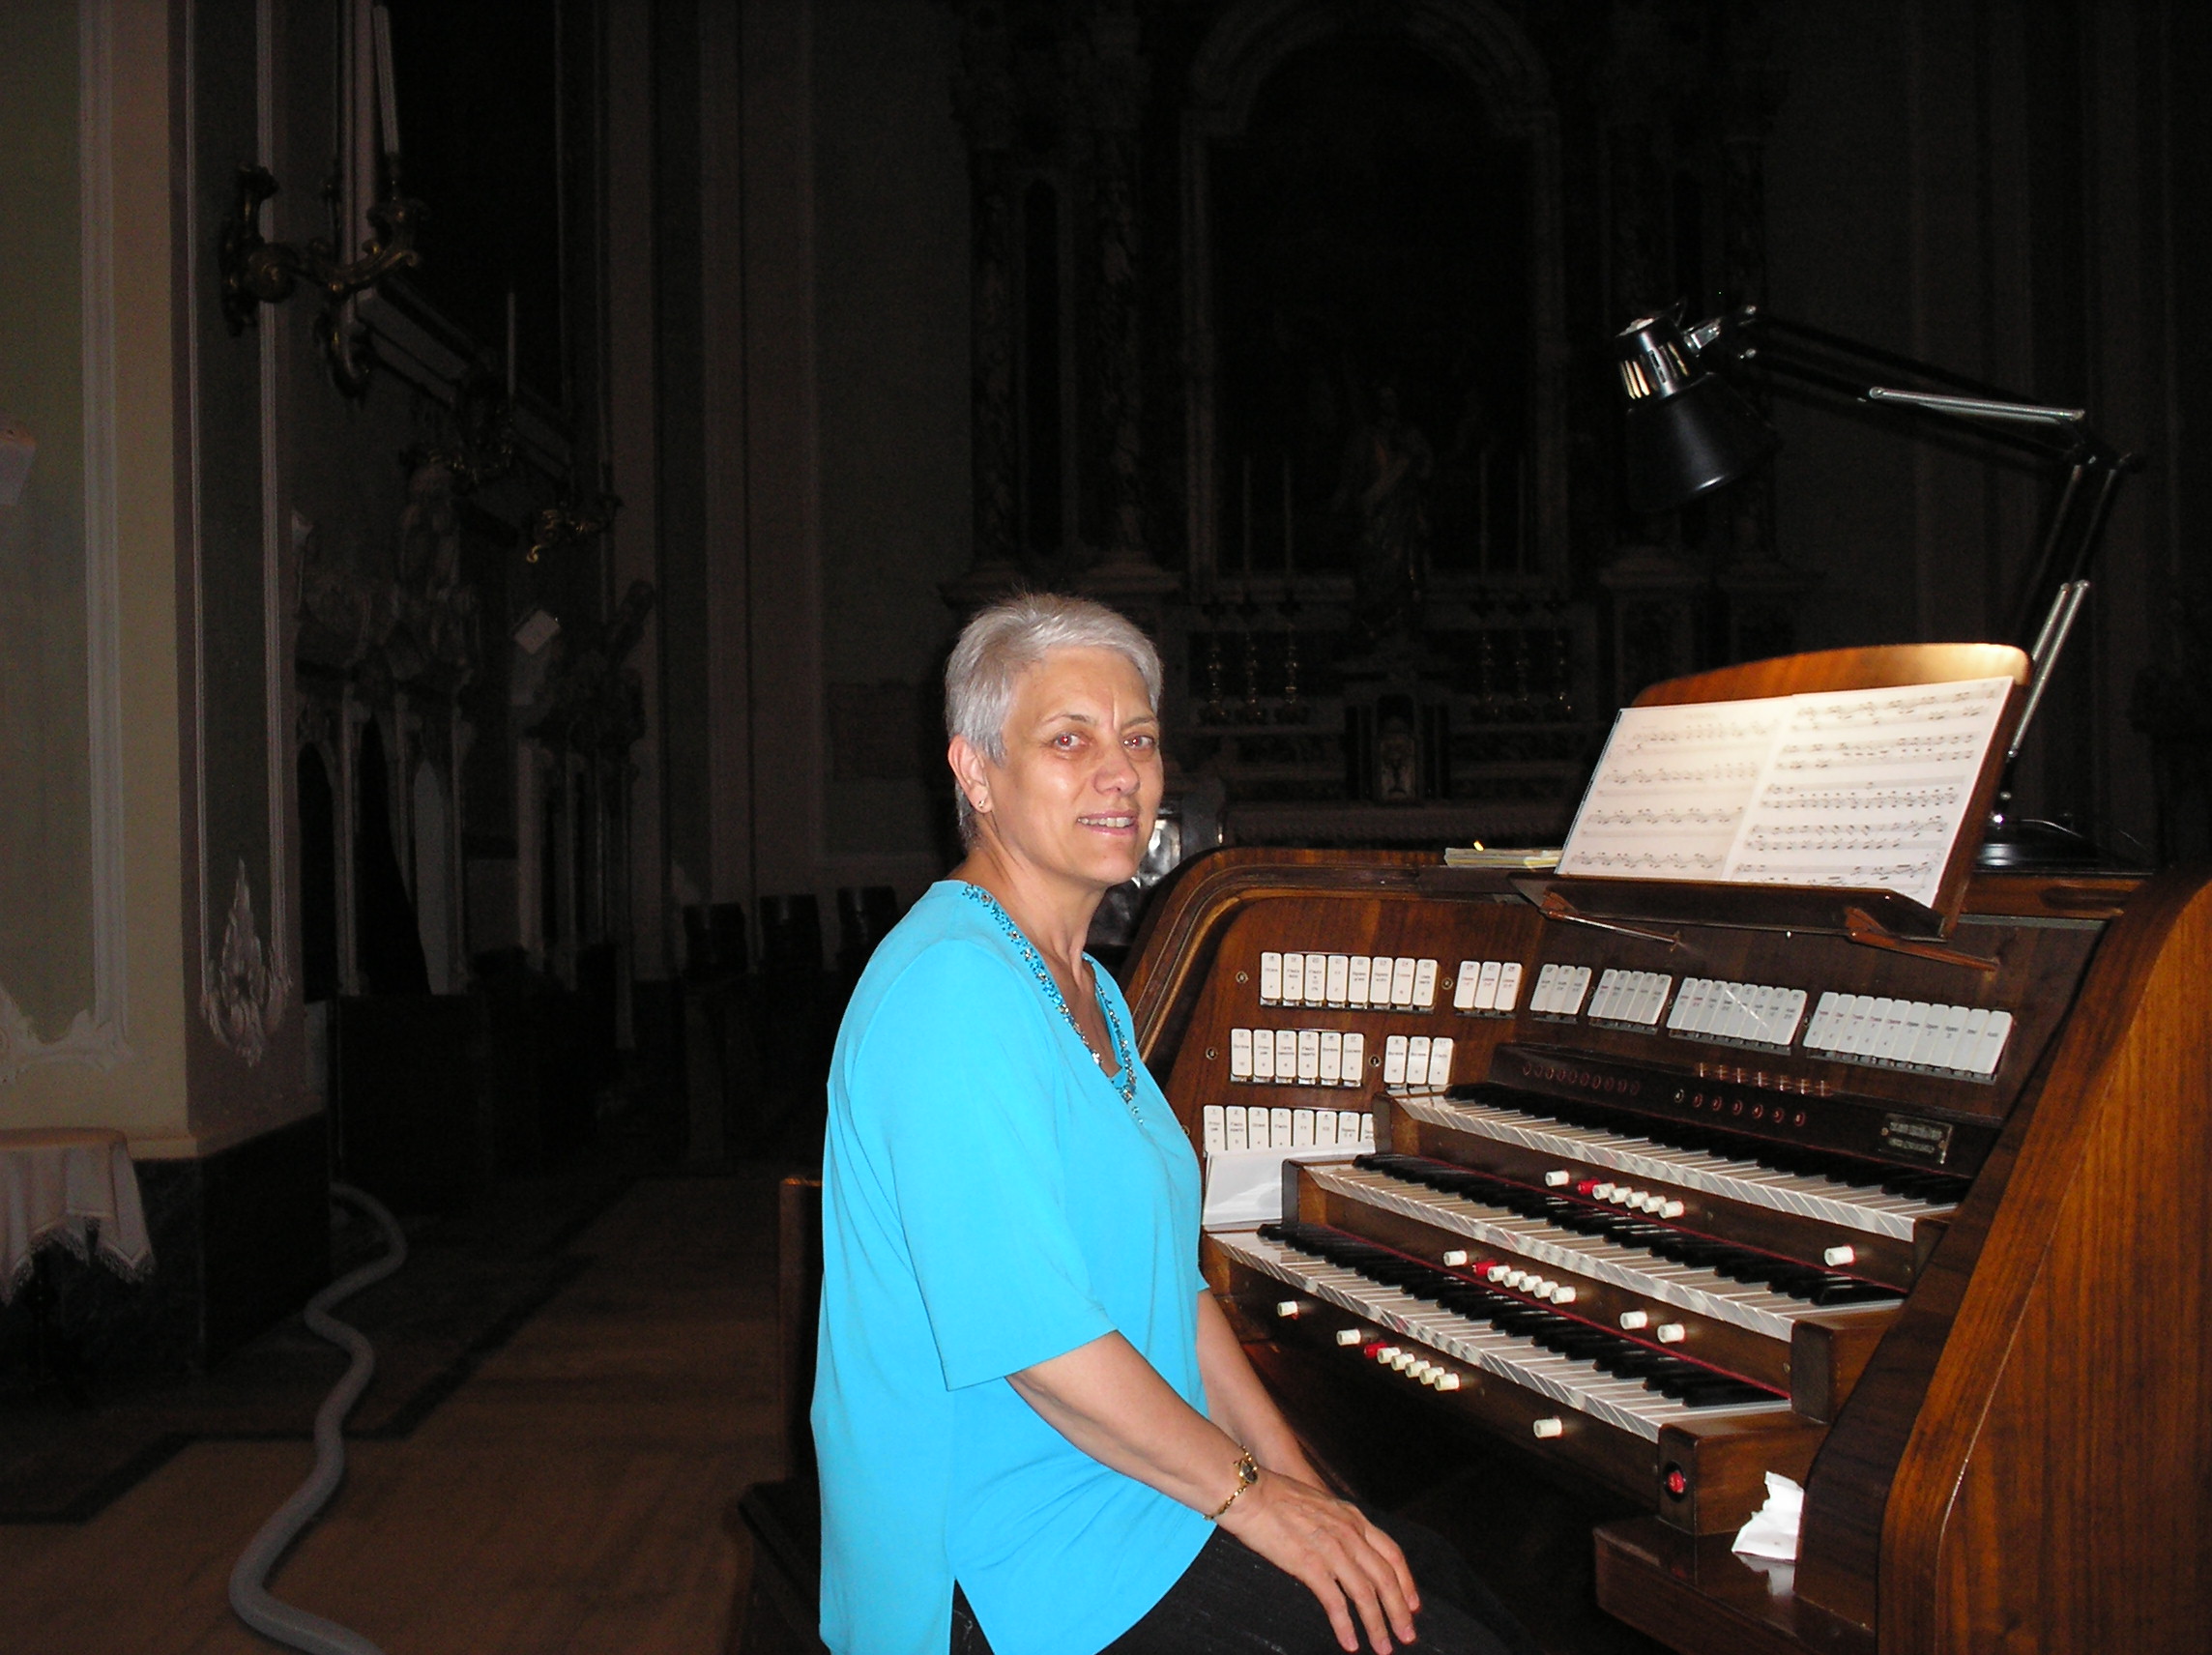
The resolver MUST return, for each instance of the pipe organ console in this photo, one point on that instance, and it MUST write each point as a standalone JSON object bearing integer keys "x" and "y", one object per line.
{"x": 1657, "y": 1209}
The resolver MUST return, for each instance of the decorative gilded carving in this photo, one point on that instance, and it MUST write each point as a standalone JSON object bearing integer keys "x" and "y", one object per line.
{"x": 243, "y": 997}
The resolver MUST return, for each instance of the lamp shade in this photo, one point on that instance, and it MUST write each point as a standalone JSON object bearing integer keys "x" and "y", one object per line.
{"x": 1687, "y": 431}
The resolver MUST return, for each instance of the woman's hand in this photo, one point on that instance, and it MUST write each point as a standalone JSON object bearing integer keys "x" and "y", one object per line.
{"x": 1350, "y": 1566}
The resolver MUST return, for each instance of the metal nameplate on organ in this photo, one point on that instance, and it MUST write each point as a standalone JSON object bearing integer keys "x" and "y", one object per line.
{"x": 1928, "y": 1142}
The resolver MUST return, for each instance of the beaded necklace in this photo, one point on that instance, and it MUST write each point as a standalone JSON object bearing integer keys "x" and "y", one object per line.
{"x": 1126, "y": 1081}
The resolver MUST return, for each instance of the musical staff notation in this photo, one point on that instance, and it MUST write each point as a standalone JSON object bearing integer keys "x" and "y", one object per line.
{"x": 1860, "y": 788}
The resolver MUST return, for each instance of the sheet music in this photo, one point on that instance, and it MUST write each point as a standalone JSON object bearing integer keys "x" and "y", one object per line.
{"x": 1858, "y": 788}
{"x": 1671, "y": 791}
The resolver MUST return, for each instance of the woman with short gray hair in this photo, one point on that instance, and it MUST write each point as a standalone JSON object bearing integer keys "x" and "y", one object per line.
{"x": 1037, "y": 1431}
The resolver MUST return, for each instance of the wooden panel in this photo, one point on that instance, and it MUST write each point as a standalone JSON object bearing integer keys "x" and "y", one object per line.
{"x": 2022, "y": 1453}
{"x": 2078, "y": 1499}
{"x": 1697, "y": 1595}
{"x": 2112, "y": 1142}
{"x": 1881, "y": 666}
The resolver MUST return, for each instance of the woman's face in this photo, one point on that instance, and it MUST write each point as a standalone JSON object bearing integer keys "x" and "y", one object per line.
{"x": 1082, "y": 778}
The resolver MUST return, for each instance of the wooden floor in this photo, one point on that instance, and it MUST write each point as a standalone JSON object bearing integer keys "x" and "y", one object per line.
{"x": 566, "y": 1500}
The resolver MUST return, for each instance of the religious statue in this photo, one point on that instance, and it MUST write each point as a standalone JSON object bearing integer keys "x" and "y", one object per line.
{"x": 1387, "y": 464}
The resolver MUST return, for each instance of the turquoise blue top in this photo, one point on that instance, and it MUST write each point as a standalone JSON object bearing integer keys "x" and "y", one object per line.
{"x": 989, "y": 1203}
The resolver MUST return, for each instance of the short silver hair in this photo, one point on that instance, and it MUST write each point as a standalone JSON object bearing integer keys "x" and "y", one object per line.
{"x": 1004, "y": 641}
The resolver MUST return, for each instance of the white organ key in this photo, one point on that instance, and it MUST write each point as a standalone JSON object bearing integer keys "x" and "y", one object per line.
{"x": 1885, "y": 1040}
{"x": 1309, "y": 1056}
{"x": 1424, "y": 985}
{"x": 1735, "y": 1013}
{"x": 1270, "y": 978}
{"x": 1279, "y": 1128}
{"x": 1943, "y": 1050}
{"x": 1417, "y": 1061}
{"x": 1547, "y": 981}
{"x": 1486, "y": 986}
{"x": 1317, "y": 978}
{"x": 1638, "y": 1005}
{"x": 1687, "y": 1286}
{"x": 1578, "y": 985}
{"x": 1677, "y": 1020}
{"x": 1402, "y": 983}
{"x": 1508, "y": 984}
{"x": 1301, "y": 1128}
{"x": 1793, "y": 1013}
{"x": 1851, "y": 1023}
{"x": 1628, "y": 997}
{"x": 1567, "y": 1382}
{"x": 1366, "y": 1129}
{"x": 1631, "y": 1158}
{"x": 1293, "y": 979}
{"x": 1355, "y": 1058}
{"x": 1875, "y": 1025}
{"x": 1394, "y": 1060}
{"x": 1601, "y": 1002}
{"x": 1927, "y": 1028}
{"x": 1358, "y": 973}
{"x": 1287, "y": 1056}
{"x": 1236, "y": 1135}
{"x": 1240, "y": 1054}
{"x": 1991, "y": 1051}
{"x": 1331, "y": 1058}
{"x": 1339, "y": 979}
{"x": 1258, "y": 1130}
{"x": 1819, "y": 1035}
{"x": 1325, "y": 1128}
{"x": 1466, "y": 984}
{"x": 1439, "y": 1060}
{"x": 1263, "y": 1055}
{"x": 1214, "y": 1127}
{"x": 1379, "y": 969}
{"x": 1347, "y": 1126}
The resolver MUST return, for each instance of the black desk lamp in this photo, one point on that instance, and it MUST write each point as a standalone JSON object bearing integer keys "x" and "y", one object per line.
{"x": 1689, "y": 432}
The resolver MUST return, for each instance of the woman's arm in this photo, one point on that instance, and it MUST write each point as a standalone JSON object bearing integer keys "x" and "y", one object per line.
{"x": 1238, "y": 1402}
{"x": 1112, "y": 1403}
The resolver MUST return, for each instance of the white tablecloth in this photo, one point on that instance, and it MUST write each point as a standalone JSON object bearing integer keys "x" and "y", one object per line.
{"x": 72, "y": 1188}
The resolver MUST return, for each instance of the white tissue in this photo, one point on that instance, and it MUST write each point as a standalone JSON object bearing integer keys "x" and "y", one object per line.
{"x": 1772, "y": 1531}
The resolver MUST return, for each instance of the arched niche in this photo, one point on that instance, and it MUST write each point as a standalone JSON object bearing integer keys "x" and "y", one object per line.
{"x": 1487, "y": 378}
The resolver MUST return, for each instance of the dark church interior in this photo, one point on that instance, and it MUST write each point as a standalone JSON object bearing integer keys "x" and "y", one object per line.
{"x": 486, "y": 495}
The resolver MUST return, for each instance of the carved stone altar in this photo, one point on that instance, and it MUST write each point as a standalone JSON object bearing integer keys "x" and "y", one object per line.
{"x": 1286, "y": 328}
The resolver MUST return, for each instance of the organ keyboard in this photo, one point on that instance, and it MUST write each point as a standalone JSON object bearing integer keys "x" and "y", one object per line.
{"x": 1680, "y": 1206}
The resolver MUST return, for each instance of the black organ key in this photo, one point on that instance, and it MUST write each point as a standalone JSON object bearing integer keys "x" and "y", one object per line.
{"x": 1787, "y": 1276}
{"x": 1686, "y": 1381}
{"x": 1936, "y": 1187}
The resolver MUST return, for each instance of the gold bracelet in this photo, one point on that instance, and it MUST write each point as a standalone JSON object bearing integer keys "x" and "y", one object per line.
{"x": 1247, "y": 1474}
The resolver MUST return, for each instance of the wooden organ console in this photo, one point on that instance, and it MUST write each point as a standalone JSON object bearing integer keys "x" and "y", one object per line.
{"x": 1924, "y": 1231}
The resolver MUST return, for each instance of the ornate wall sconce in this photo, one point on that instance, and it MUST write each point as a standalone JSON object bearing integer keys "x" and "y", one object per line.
{"x": 256, "y": 270}
{"x": 568, "y": 523}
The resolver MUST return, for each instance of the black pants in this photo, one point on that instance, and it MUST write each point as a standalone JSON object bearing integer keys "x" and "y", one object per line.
{"x": 1232, "y": 1601}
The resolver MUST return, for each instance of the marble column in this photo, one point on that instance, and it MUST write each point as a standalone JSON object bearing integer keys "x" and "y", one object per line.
{"x": 1114, "y": 77}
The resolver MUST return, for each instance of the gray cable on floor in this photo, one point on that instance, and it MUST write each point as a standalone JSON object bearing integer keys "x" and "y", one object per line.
{"x": 250, "y": 1598}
